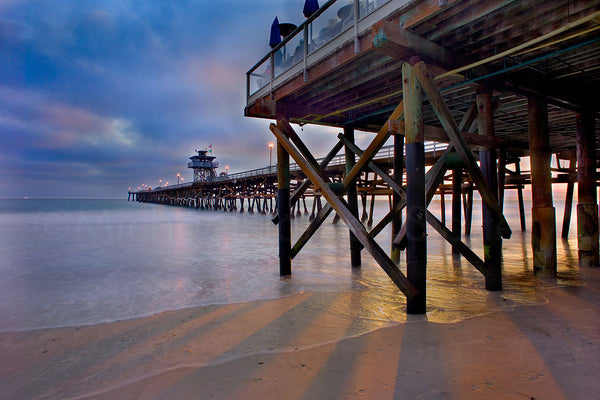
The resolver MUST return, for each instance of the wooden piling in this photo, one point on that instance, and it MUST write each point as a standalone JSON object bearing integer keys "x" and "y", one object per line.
{"x": 398, "y": 166}
{"x": 283, "y": 195}
{"x": 492, "y": 241}
{"x": 456, "y": 198}
{"x": 569, "y": 196}
{"x": 520, "y": 197}
{"x": 587, "y": 207}
{"x": 543, "y": 231}
{"x": 352, "y": 197}
{"x": 416, "y": 250}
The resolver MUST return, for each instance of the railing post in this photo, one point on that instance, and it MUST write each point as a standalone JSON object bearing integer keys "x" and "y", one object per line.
{"x": 356, "y": 42}
{"x": 304, "y": 61}
{"x": 272, "y": 73}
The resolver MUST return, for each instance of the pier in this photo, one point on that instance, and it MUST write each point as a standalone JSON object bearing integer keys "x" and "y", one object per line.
{"x": 473, "y": 96}
{"x": 497, "y": 81}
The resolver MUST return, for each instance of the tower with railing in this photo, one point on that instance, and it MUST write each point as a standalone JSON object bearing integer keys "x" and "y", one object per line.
{"x": 204, "y": 167}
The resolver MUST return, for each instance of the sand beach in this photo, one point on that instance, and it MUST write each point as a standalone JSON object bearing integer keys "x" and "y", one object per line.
{"x": 300, "y": 347}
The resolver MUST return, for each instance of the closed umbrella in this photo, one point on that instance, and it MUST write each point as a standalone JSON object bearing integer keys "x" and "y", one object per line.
{"x": 275, "y": 34}
{"x": 310, "y": 6}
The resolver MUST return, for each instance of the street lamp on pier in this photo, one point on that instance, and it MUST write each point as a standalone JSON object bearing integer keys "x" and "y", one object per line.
{"x": 178, "y": 175}
{"x": 160, "y": 183}
{"x": 270, "y": 155}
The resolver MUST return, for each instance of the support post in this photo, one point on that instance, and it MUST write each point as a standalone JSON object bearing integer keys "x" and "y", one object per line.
{"x": 543, "y": 231}
{"x": 398, "y": 167}
{"x": 520, "y": 196}
{"x": 456, "y": 198}
{"x": 569, "y": 196}
{"x": 283, "y": 195}
{"x": 492, "y": 241}
{"x": 587, "y": 206}
{"x": 352, "y": 197}
{"x": 416, "y": 250}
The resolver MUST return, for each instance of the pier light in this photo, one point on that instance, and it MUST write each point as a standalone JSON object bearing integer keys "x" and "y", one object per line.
{"x": 166, "y": 184}
{"x": 270, "y": 155}
{"x": 178, "y": 175}
{"x": 227, "y": 169}
{"x": 160, "y": 183}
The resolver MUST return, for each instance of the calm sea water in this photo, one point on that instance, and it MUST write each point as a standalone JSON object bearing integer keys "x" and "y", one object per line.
{"x": 79, "y": 262}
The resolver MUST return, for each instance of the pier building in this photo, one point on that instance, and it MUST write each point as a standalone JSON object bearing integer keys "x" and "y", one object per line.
{"x": 204, "y": 167}
{"x": 496, "y": 80}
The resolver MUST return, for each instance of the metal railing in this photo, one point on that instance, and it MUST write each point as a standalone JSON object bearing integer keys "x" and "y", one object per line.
{"x": 331, "y": 20}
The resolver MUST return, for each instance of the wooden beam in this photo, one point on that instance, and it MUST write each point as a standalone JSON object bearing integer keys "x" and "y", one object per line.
{"x": 447, "y": 121}
{"x": 306, "y": 184}
{"x": 394, "y": 41}
{"x": 374, "y": 146}
{"x": 397, "y": 188}
{"x": 416, "y": 232}
{"x": 352, "y": 222}
{"x": 458, "y": 244}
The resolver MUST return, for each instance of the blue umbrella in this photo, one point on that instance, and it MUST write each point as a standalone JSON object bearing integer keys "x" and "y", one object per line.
{"x": 310, "y": 6}
{"x": 275, "y": 34}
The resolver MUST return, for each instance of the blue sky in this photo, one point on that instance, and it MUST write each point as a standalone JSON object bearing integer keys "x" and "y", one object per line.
{"x": 97, "y": 96}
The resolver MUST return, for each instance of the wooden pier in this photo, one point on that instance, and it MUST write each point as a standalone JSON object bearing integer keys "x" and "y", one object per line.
{"x": 496, "y": 80}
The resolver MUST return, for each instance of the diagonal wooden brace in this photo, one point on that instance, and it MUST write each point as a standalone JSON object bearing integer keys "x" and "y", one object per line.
{"x": 306, "y": 184}
{"x": 462, "y": 248}
{"x": 312, "y": 228}
{"x": 374, "y": 147}
{"x": 352, "y": 222}
{"x": 384, "y": 176}
{"x": 453, "y": 132}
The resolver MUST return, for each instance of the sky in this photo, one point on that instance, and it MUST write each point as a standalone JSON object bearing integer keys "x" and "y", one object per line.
{"x": 97, "y": 96}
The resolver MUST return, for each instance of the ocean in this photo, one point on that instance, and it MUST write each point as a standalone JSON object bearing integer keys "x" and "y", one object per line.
{"x": 80, "y": 262}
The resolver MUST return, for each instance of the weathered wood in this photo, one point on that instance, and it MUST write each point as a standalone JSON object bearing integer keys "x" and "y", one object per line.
{"x": 283, "y": 195}
{"x": 398, "y": 166}
{"x": 374, "y": 146}
{"x": 396, "y": 187}
{"x": 492, "y": 242}
{"x": 456, "y": 198}
{"x": 351, "y": 195}
{"x": 543, "y": 231}
{"x": 306, "y": 184}
{"x": 587, "y": 207}
{"x": 453, "y": 131}
{"x": 458, "y": 245}
{"x": 357, "y": 228}
{"x": 520, "y": 197}
{"x": 569, "y": 196}
{"x": 394, "y": 41}
{"x": 416, "y": 232}
{"x": 314, "y": 225}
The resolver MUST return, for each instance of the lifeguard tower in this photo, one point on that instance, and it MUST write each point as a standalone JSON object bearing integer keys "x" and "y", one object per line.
{"x": 204, "y": 167}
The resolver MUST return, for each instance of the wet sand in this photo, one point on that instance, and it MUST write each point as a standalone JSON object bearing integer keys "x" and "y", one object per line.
{"x": 301, "y": 347}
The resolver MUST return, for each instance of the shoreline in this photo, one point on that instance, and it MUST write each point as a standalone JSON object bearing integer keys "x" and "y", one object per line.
{"x": 300, "y": 343}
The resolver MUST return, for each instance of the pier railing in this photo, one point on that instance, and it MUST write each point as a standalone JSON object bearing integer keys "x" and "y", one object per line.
{"x": 334, "y": 22}
{"x": 386, "y": 152}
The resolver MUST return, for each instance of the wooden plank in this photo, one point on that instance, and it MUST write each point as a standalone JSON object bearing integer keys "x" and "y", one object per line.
{"x": 283, "y": 195}
{"x": 394, "y": 41}
{"x": 458, "y": 244}
{"x": 374, "y": 146}
{"x": 416, "y": 232}
{"x": 306, "y": 184}
{"x": 311, "y": 229}
{"x": 353, "y": 224}
{"x": 384, "y": 176}
{"x": 445, "y": 117}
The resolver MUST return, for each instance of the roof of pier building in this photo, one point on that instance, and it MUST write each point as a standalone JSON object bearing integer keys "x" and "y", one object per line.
{"x": 334, "y": 69}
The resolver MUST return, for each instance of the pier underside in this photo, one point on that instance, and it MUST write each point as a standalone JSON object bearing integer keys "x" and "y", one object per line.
{"x": 496, "y": 80}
